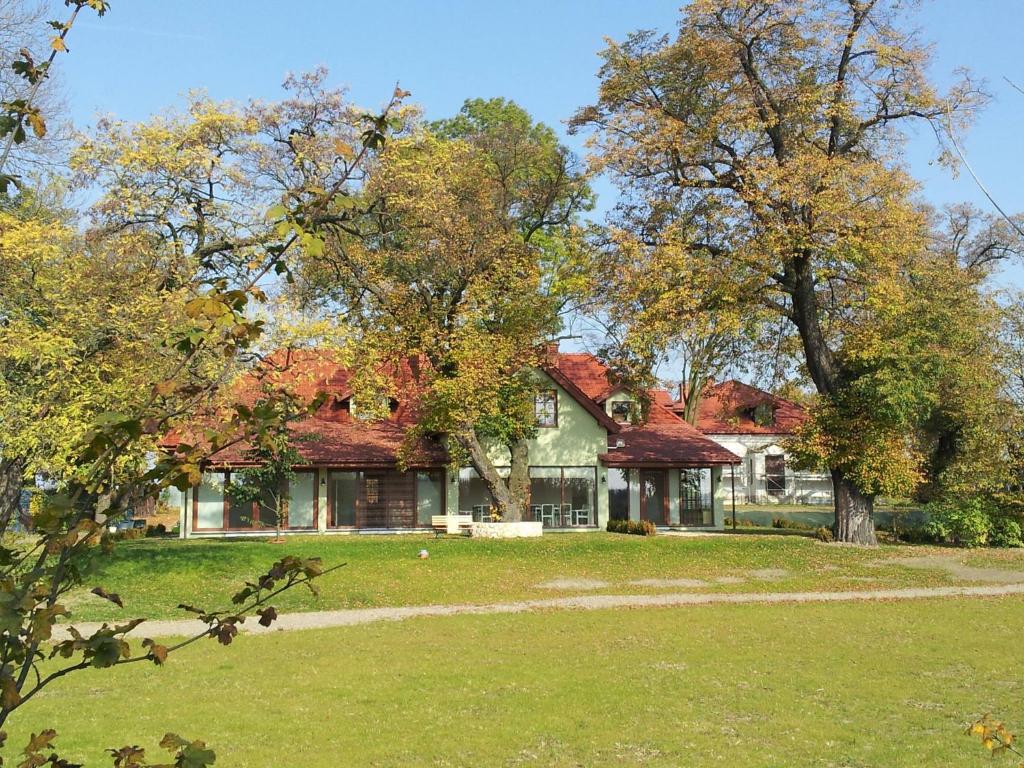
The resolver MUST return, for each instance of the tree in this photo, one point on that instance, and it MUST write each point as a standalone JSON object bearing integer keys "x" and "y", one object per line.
{"x": 778, "y": 122}
{"x": 195, "y": 213}
{"x": 82, "y": 326}
{"x": 656, "y": 303}
{"x": 455, "y": 277}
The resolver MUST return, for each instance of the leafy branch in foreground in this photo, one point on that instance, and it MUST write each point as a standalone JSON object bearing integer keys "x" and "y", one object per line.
{"x": 29, "y": 614}
{"x": 994, "y": 736}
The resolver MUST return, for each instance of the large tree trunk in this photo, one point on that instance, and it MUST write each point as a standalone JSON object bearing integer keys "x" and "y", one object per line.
{"x": 11, "y": 471}
{"x": 854, "y": 521}
{"x": 508, "y": 505}
{"x": 519, "y": 480}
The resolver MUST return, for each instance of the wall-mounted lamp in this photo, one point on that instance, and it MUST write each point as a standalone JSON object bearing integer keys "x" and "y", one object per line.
{"x": 323, "y": 481}
{"x": 455, "y": 479}
{"x": 604, "y": 478}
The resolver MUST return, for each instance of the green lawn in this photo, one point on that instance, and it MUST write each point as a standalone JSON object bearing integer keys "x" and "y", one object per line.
{"x": 880, "y": 684}
{"x": 153, "y": 576}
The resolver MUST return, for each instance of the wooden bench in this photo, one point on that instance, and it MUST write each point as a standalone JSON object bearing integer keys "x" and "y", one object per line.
{"x": 443, "y": 524}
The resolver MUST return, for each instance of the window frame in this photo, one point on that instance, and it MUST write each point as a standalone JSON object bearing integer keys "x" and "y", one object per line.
{"x": 552, "y": 393}
{"x": 627, "y": 417}
{"x": 775, "y": 482}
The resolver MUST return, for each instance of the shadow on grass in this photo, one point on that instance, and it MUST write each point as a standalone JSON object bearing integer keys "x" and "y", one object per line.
{"x": 750, "y": 530}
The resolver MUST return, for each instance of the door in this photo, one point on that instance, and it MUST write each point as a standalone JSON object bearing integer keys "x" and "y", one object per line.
{"x": 654, "y": 496}
{"x": 373, "y": 512}
{"x": 387, "y": 500}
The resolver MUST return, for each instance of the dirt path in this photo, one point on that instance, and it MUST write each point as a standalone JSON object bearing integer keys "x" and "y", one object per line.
{"x": 348, "y": 618}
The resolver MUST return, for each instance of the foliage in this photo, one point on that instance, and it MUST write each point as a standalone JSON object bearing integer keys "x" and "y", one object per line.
{"x": 764, "y": 137}
{"x": 20, "y": 110}
{"x": 1006, "y": 532}
{"x": 85, "y": 321}
{"x": 994, "y": 736}
{"x": 633, "y": 527}
{"x": 116, "y": 333}
{"x": 453, "y": 291}
{"x": 965, "y": 522}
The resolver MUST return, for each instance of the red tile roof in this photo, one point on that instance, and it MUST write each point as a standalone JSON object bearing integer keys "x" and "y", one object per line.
{"x": 727, "y": 409}
{"x": 332, "y": 437}
{"x": 664, "y": 440}
{"x": 587, "y": 372}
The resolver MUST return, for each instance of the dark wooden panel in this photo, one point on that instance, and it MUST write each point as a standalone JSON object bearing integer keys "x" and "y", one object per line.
{"x": 387, "y": 499}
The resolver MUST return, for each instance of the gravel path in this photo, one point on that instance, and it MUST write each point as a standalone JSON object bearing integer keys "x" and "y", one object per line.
{"x": 348, "y": 618}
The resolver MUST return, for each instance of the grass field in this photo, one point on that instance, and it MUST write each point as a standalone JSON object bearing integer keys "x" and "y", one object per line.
{"x": 880, "y": 684}
{"x": 153, "y": 576}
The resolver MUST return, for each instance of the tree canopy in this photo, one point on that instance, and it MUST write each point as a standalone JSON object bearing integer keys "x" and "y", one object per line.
{"x": 767, "y": 134}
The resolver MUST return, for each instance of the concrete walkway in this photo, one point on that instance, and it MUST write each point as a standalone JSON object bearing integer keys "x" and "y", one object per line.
{"x": 348, "y": 618}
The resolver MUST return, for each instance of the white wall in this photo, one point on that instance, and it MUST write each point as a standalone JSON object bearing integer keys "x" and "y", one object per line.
{"x": 576, "y": 442}
{"x": 802, "y": 487}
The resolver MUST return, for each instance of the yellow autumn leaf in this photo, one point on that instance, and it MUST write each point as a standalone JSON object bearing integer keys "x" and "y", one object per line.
{"x": 343, "y": 148}
{"x": 38, "y": 124}
{"x": 58, "y": 44}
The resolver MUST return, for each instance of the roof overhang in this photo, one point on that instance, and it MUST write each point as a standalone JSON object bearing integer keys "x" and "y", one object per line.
{"x": 580, "y": 397}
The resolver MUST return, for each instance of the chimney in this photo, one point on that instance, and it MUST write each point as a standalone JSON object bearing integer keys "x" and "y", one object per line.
{"x": 551, "y": 351}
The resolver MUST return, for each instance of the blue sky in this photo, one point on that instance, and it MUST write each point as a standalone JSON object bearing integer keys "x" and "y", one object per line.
{"x": 542, "y": 53}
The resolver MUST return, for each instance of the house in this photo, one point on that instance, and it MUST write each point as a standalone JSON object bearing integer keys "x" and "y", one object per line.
{"x": 754, "y": 425}
{"x": 590, "y": 461}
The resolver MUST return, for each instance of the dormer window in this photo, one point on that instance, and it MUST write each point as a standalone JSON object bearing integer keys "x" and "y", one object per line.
{"x": 763, "y": 414}
{"x": 622, "y": 412}
{"x": 545, "y": 408}
{"x": 382, "y": 408}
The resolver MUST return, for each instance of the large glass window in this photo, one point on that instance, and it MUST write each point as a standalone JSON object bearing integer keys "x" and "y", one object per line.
{"x": 775, "y": 475}
{"x": 210, "y": 501}
{"x": 344, "y": 488}
{"x": 695, "y": 507}
{"x": 429, "y": 496}
{"x": 250, "y": 506}
{"x": 653, "y": 496}
{"x": 474, "y": 498}
{"x": 618, "y": 494}
{"x": 545, "y": 408}
{"x": 563, "y": 497}
{"x": 302, "y": 500}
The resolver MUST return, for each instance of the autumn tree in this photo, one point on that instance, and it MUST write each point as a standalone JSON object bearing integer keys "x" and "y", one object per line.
{"x": 459, "y": 269}
{"x": 771, "y": 132}
{"x": 117, "y": 318}
{"x": 656, "y": 304}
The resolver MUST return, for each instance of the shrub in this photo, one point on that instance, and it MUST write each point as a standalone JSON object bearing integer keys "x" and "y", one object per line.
{"x": 824, "y": 534}
{"x": 156, "y": 530}
{"x": 791, "y": 525}
{"x": 917, "y": 534}
{"x": 965, "y": 522}
{"x": 1006, "y": 532}
{"x": 634, "y": 527}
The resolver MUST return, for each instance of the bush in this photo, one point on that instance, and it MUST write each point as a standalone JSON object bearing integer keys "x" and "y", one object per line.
{"x": 824, "y": 534}
{"x": 634, "y": 527}
{"x": 129, "y": 534}
{"x": 156, "y": 530}
{"x": 790, "y": 525}
{"x": 965, "y": 522}
{"x": 918, "y": 534}
{"x": 1005, "y": 532}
